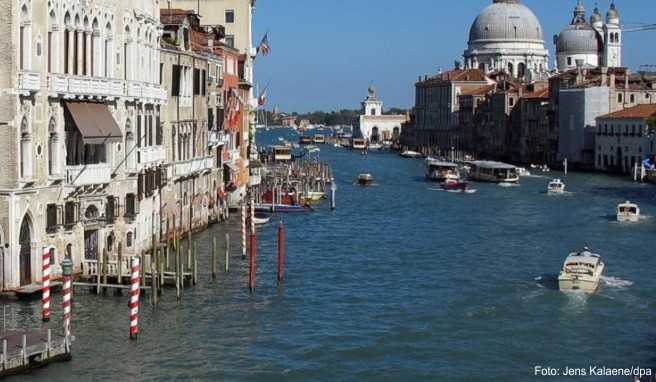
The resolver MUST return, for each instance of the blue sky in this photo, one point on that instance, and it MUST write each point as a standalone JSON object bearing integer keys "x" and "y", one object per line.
{"x": 326, "y": 52}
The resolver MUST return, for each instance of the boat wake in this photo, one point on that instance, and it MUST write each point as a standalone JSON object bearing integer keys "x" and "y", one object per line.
{"x": 615, "y": 282}
{"x": 454, "y": 191}
{"x": 508, "y": 185}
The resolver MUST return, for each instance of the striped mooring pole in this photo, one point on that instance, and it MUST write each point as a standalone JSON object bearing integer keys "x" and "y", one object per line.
{"x": 252, "y": 264}
{"x": 45, "y": 284}
{"x": 67, "y": 271}
{"x": 281, "y": 251}
{"x": 243, "y": 230}
{"x": 134, "y": 299}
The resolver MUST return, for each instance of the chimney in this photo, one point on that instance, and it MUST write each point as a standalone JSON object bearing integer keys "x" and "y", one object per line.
{"x": 611, "y": 80}
{"x": 626, "y": 80}
{"x": 604, "y": 76}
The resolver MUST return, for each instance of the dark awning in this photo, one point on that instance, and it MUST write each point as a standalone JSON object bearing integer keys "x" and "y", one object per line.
{"x": 95, "y": 122}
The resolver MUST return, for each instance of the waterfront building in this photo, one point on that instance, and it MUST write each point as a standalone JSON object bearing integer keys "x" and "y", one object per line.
{"x": 594, "y": 42}
{"x": 288, "y": 121}
{"x": 581, "y": 95}
{"x": 373, "y": 125}
{"x": 624, "y": 138}
{"x": 532, "y": 137}
{"x": 81, "y": 79}
{"x": 437, "y": 108}
{"x": 507, "y": 36}
{"x": 236, "y": 16}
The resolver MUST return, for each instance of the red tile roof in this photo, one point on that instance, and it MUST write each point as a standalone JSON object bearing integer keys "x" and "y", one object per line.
{"x": 640, "y": 111}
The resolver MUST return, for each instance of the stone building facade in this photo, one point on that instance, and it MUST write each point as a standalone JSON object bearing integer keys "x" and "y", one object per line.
{"x": 81, "y": 80}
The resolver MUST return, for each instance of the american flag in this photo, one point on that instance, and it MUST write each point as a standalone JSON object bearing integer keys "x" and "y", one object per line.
{"x": 264, "y": 46}
{"x": 232, "y": 110}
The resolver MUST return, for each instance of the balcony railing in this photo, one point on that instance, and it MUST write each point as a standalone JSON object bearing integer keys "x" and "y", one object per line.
{"x": 188, "y": 167}
{"x": 28, "y": 81}
{"x": 151, "y": 155}
{"x": 86, "y": 175}
{"x": 84, "y": 86}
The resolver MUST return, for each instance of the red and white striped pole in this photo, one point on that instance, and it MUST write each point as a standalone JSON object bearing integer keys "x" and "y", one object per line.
{"x": 134, "y": 299}
{"x": 243, "y": 230}
{"x": 67, "y": 271}
{"x": 252, "y": 264}
{"x": 45, "y": 284}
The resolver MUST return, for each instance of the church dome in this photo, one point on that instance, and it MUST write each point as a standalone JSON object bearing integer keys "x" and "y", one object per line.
{"x": 506, "y": 20}
{"x": 578, "y": 39}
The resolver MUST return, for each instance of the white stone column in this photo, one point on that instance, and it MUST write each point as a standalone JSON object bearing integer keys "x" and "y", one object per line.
{"x": 96, "y": 54}
{"x": 87, "y": 53}
{"x": 71, "y": 50}
{"x": 80, "y": 52}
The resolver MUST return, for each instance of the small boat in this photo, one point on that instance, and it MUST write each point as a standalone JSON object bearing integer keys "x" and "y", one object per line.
{"x": 628, "y": 212}
{"x": 337, "y": 145}
{"x": 375, "y": 146}
{"x": 305, "y": 140}
{"x": 281, "y": 139}
{"x": 365, "y": 179}
{"x": 319, "y": 139}
{"x": 312, "y": 149}
{"x": 359, "y": 144}
{"x": 282, "y": 153}
{"x": 315, "y": 196}
{"x": 282, "y": 208}
{"x": 261, "y": 219}
{"x": 581, "y": 271}
{"x": 455, "y": 184}
{"x": 556, "y": 186}
{"x": 522, "y": 171}
{"x": 411, "y": 154}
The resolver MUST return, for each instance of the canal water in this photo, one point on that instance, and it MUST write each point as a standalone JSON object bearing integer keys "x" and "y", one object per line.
{"x": 401, "y": 282}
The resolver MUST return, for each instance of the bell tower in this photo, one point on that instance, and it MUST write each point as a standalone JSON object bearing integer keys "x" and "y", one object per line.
{"x": 613, "y": 38}
{"x": 372, "y": 105}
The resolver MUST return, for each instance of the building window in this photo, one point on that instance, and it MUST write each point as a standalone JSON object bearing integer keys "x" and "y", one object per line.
{"x": 619, "y": 97}
{"x": 51, "y": 218}
{"x": 110, "y": 210}
{"x": 130, "y": 205}
{"x": 175, "y": 81}
{"x": 230, "y": 41}
{"x": 511, "y": 101}
{"x": 632, "y": 98}
{"x": 569, "y": 61}
{"x": 129, "y": 239}
{"x": 230, "y": 16}
{"x": 70, "y": 214}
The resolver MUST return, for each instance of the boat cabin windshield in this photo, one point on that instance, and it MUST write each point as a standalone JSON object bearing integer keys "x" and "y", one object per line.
{"x": 628, "y": 210}
{"x": 505, "y": 173}
{"x": 280, "y": 151}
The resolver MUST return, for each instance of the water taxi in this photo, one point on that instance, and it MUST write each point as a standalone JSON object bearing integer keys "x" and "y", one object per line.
{"x": 522, "y": 171}
{"x": 581, "y": 271}
{"x": 439, "y": 171}
{"x": 455, "y": 185}
{"x": 359, "y": 144}
{"x": 410, "y": 154}
{"x": 282, "y": 153}
{"x": 305, "y": 140}
{"x": 628, "y": 212}
{"x": 490, "y": 171}
{"x": 365, "y": 179}
{"x": 556, "y": 186}
{"x": 315, "y": 196}
{"x": 319, "y": 139}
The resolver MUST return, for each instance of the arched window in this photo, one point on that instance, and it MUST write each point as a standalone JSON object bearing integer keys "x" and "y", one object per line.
{"x": 127, "y": 55}
{"x": 511, "y": 68}
{"x": 129, "y": 239}
{"x": 521, "y": 70}
{"x": 25, "y": 150}
{"x": 25, "y": 43}
{"x": 53, "y": 43}
{"x": 68, "y": 41}
{"x": 108, "y": 52}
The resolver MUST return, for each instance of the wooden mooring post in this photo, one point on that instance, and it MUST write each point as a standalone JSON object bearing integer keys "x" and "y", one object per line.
{"x": 214, "y": 258}
{"x": 281, "y": 252}
{"x": 227, "y": 252}
{"x": 252, "y": 269}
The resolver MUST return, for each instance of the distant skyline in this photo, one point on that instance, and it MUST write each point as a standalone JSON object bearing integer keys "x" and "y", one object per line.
{"x": 326, "y": 53}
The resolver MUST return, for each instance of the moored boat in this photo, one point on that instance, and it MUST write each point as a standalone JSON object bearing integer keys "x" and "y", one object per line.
{"x": 490, "y": 171}
{"x": 628, "y": 212}
{"x": 319, "y": 139}
{"x": 359, "y": 144}
{"x": 581, "y": 271}
{"x": 305, "y": 140}
{"x": 439, "y": 171}
{"x": 261, "y": 219}
{"x": 282, "y": 208}
{"x": 455, "y": 184}
{"x": 282, "y": 153}
{"x": 410, "y": 154}
{"x": 556, "y": 186}
{"x": 365, "y": 179}
{"x": 375, "y": 146}
{"x": 315, "y": 196}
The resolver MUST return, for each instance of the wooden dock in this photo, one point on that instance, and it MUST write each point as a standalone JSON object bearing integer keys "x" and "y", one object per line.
{"x": 23, "y": 351}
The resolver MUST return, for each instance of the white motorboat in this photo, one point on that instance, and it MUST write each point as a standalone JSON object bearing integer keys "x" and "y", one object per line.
{"x": 490, "y": 171}
{"x": 282, "y": 153}
{"x": 359, "y": 144}
{"x": 440, "y": 171}
{"x": 337, "y": 146}
{"x": 261, "y": 219}
{"x": 628, "y": 212}
{"x": 556, "y": 186}
{"x": 365, "y": 179}
{"x": 522, "y": 171}
{"x": 581, "y": 271}
{"x": 319, "y": 139}
{"x": 411, "y": 154}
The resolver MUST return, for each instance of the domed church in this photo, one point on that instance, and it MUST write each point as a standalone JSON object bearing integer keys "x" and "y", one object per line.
{"x": 507, "y": 36}
{"x": 595, "y": 43}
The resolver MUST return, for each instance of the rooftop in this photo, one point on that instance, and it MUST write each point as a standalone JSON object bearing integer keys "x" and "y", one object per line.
{"x": 640, "y": 111}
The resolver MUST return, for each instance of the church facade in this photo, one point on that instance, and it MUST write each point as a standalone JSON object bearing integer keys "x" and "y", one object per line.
{"x": 373, "y": 125}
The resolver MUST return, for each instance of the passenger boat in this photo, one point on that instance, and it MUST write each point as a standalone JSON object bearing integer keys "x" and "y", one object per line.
{"x": 556, "y": 186}
{"x": 261, "y": 219}
{"x": 452, "y": 184}
{"x": 375, "y": 146}
{"x": 439, "y": 171}
{"x": 581, "y": 271}
{"x": 365, "y": 179}
{"x": 319, "y": 139}
{"x": 305, "y": 140}
{"x": 410, "y": 154}
{"x": 282, "y": 153}
{"x": 490, "y": 171}
{"x": 628, "y": 212}
{"x": 359, "y": 144}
